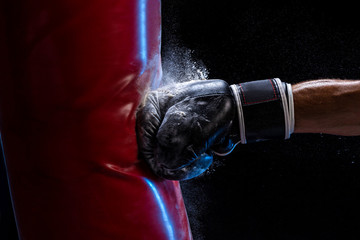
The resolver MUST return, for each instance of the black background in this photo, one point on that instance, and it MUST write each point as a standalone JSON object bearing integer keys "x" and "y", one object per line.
{"x": 303, "y": 188}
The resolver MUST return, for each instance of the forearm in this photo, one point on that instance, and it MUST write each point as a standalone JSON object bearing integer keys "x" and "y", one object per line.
{"x": 327, "y": 106}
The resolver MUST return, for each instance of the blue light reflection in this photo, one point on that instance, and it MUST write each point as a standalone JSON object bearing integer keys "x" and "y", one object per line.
{"x": 142, "y": 33}
{"x": 166, "y": 219}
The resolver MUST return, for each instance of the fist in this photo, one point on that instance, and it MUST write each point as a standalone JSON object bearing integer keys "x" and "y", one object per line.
{"x": 177, "y": 125}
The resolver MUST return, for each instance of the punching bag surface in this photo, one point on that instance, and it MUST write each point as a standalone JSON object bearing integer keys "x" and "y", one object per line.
{"x": 72, "y": 76}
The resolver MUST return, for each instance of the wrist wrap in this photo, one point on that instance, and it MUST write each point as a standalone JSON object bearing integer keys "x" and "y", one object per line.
{"x": 265, "y": 110}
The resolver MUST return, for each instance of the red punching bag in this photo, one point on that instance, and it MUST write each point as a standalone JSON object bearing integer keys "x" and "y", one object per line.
{"x": 72, "y": 75}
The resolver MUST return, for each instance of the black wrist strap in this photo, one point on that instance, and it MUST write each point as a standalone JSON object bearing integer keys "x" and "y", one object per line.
{"x": 265, "y": 110}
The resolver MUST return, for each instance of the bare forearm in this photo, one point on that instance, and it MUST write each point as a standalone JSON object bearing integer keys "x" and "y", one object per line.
{"x": 327, "y": 106}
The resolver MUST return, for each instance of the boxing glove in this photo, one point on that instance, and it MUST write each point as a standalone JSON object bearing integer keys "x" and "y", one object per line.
{"x": 180, "y": 126}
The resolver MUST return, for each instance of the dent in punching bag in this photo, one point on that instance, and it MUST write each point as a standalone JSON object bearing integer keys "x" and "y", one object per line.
{"x": 73, "y": 73}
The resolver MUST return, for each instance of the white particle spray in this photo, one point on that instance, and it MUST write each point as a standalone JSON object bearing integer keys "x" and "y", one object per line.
{"x": 179, "y": 65}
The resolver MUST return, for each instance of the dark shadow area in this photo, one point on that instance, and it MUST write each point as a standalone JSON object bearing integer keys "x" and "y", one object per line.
{"x": 302, "y": 188}
{"x": 7, "y": 221}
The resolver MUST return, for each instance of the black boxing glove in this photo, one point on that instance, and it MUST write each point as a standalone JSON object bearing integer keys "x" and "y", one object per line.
{"x": 178, "y": 126}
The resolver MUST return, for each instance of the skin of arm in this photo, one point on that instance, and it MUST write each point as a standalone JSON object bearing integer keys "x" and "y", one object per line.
{"x": 330, "y": 106}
